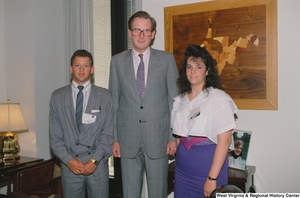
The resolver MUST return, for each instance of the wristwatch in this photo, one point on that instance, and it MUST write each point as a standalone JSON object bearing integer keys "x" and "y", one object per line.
{"x": 94, "y": 161}
{"x": 210, "y": 178}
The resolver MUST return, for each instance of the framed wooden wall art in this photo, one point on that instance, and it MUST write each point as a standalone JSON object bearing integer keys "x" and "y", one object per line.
{"x": 241, "y": 35}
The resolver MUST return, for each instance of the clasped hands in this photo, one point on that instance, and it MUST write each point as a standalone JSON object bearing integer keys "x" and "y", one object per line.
{"x": 79, "y": 168}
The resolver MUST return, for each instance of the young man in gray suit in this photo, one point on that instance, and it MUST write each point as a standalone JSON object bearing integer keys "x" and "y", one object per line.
{"x": 81, "y": 131}
{"x": 143, "y": 84}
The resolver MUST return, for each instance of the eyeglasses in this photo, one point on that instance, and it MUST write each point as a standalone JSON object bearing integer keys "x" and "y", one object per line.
{"x": 137, "y": 32}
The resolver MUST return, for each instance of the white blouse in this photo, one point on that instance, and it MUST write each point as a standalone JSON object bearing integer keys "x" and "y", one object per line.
{"x": 210, "y": 113}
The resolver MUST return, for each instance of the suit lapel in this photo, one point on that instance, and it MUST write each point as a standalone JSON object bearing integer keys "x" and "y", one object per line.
{"x": 70, "y": 111}
{"x": 129, "y": 71}
{"x": 152, "y": 70}
{"x": 88, "y": 109}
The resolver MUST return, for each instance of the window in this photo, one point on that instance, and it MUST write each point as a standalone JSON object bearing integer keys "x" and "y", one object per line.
{"x": 102, "y": 41}
{"x": 106, "y": 37}
{"x": 102, "y": 37}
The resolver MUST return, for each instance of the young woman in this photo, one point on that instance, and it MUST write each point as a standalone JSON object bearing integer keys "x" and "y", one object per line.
{"x": 203, "y": 121}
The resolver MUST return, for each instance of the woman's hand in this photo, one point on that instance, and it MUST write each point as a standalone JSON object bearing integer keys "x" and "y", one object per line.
{"x": 209, "y": 186}
{"x": 221, "y": 152}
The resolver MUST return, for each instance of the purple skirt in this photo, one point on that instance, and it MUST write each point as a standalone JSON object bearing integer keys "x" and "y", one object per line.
{"x": 192, "y": 168}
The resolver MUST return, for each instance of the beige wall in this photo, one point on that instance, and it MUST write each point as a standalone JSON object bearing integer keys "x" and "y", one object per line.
{"x": 33, "y": 64}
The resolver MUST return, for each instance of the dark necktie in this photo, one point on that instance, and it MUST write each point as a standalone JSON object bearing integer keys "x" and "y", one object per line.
{"x": 140, "y": 77}
{"x": 79, "y": 107}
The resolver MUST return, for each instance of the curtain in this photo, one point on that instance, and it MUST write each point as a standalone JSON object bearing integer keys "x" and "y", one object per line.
{"x": 78, "y": 28}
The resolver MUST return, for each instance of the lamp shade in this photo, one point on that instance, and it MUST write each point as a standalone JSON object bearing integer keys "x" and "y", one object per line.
{"x": 11, "y": 118}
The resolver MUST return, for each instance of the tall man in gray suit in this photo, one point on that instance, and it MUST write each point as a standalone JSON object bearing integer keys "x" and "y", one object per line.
{"x": 81, "y": 131}
{"x": 143, "y": 85}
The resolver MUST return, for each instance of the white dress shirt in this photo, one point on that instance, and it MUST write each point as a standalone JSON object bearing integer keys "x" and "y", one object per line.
{"x": 86, "y": 93}
{"x": 137, "y": 60}
{"x": 210, "y": 113}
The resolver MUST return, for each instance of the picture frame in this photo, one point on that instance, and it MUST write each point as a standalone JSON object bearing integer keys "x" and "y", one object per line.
{"x": 251, "y": 76}
{"x": 239, "y": 148}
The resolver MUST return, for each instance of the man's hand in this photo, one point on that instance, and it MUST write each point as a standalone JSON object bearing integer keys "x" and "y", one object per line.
{"x": 116, "y": 149}
{"x": 75, "y": 166}
{"x": 89, "y": 168}
{"x": 171, "y": 148}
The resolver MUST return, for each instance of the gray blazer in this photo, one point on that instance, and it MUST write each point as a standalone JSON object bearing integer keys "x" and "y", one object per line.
{"x": 95, "y": 140}
{"x": 144, "y": 120}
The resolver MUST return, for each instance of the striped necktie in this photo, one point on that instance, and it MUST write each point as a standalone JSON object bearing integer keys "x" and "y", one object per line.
{"x": 140, "y": 77}
{"x": 79, "y": 107}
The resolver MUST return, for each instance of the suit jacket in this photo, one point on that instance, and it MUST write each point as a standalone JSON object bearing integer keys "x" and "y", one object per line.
{"x": 95, "y": 140}
{"x": 143, "y": 120}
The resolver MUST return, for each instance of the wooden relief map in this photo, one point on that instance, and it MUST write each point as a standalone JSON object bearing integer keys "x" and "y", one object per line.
{"x": 237, "y": 38}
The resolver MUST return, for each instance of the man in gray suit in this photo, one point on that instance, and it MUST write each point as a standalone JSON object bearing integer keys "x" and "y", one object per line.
{"x": 83, "y": 142}
{"x": 143, "y": 85}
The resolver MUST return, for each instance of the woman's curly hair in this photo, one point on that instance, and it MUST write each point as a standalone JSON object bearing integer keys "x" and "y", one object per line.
{"x": 197, "y": 52}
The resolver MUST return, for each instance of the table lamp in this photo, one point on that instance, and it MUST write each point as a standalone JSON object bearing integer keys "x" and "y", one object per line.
{"x": 11, "y": 122}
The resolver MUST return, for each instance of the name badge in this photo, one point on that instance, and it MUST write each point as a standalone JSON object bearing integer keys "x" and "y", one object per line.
{"x": 88, "y": 118}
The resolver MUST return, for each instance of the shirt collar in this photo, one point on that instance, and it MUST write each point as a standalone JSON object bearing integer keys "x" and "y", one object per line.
{"x": 85, "y": 85}
{"x": 135, "y": 54}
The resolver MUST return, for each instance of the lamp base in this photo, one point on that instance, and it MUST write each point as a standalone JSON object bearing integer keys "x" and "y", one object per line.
{"x": 10, "y": 157}
{"x": 11, "y": 147}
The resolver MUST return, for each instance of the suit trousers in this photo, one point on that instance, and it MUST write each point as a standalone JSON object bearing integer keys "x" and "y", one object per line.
{"x": 156, "y": 175}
